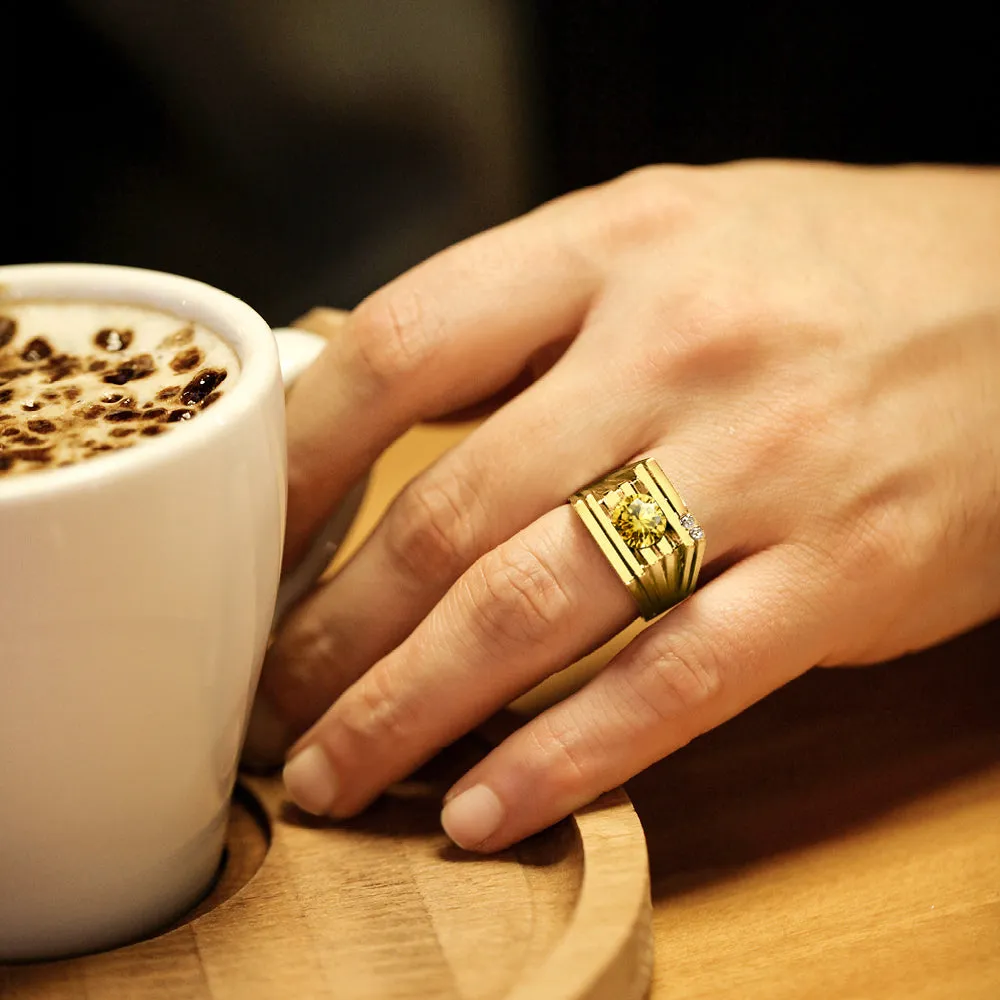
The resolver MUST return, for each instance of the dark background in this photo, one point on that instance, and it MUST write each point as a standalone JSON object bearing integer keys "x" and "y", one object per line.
{"x": 158, "y": 141}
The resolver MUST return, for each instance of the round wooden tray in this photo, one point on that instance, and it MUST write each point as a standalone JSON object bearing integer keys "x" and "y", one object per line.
{"x": 383, "y": 907}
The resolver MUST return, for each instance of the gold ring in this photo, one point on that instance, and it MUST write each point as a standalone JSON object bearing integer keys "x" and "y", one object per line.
{"x": 645, "y": 530}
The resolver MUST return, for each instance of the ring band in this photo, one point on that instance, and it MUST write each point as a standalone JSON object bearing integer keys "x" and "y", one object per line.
{"x": 646, "y": 532}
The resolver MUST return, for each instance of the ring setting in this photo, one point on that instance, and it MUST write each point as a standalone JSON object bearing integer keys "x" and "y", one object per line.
{"x": 643, "y": 527}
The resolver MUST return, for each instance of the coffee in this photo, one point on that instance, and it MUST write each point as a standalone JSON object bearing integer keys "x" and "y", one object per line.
{"x": 83, "y": 379}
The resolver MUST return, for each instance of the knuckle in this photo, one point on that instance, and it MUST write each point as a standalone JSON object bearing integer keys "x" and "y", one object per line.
{"x": 374, "y": 712}
{"x": 392, "y": 336}
{"x": 309, "y": 665}
{"x": 306, "y": 651}
{"x": 866, "y": 541}
{"x": 651, "y": 185}
{"x": 323, "y": 320}
{"x": 716, "y": 333}
{"x": 679, "y": 677}
{"x": 885, "y": 538}
{"x": 736, "y": 319}
{"x": 562, "y": 749}
{"x": 517, "y": 595}
{"x": 431, "y": 529}
{"x": 644, "y": 203}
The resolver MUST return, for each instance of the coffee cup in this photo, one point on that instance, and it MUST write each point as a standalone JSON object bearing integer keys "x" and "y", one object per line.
{"x": 137, "y": 592}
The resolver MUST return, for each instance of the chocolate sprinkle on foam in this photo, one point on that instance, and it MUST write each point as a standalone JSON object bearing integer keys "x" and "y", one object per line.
{"x": 114, "y": 340}
{"x": 58, "y": 399}
{"x": 37, "y": 349}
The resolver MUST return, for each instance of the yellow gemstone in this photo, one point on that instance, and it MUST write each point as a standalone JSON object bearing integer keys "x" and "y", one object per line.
{"x": 639, "y": 521}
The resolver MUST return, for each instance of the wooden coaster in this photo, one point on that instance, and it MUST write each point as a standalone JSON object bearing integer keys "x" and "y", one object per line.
{"x": 384, "y": 907}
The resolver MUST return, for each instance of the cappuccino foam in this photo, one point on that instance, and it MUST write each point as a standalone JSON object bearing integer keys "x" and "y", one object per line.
{"x": 83, "y": 379}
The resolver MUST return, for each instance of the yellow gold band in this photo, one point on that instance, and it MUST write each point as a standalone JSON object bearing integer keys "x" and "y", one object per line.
{"x": 646, "y": 532}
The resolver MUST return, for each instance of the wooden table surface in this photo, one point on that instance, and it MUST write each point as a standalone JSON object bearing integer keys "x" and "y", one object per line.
{"x": 839, "y": 840}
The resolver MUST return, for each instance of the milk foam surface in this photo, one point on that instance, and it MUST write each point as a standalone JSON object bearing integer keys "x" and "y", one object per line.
{"x": 82, "y": 379}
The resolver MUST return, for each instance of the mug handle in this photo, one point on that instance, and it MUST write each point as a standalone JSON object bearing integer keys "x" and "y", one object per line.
{"x": 297, "y": 350}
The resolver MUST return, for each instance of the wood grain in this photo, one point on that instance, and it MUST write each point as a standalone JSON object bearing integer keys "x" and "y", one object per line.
{"x": 383, "y": 907}
{"x": 840, "y": 840}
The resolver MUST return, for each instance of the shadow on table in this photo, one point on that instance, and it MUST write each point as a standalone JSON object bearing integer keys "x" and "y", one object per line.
{"x": 830, "y": 752}
{"x": 412, "y": 809}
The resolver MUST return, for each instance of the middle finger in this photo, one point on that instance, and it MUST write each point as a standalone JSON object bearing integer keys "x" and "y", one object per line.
{"x": 522, "y": 611}
{"x": 478, "y": 495}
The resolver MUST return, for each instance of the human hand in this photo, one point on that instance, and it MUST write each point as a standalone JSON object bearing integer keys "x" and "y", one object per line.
{"x": 811, "y": 352}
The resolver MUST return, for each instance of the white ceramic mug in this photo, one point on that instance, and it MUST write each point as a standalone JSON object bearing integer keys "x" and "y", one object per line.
{"x": 136, "y": 596}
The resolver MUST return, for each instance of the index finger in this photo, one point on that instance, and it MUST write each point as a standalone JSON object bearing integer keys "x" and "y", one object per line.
{"x": 450, "y": 332}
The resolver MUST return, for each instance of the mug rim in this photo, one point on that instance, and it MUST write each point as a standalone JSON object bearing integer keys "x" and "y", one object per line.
{"x": 227, "y": 316}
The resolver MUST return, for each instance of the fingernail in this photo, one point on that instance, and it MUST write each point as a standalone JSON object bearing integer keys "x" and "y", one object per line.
{"x": 310, "y": 780}
{"x": 268, "y": 736}
{"x": 473, "y": 816}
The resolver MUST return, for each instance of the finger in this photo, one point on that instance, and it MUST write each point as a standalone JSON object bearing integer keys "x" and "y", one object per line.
{"x": 538, "y": 364}
{"x": 481, "y": 493}
{"x": 527, "y": 608}
{"x": 325, "y": 321}
{"x": 452, "y": 331}
{"x": 557, "y": 435}
{"x": 752, "y": 629}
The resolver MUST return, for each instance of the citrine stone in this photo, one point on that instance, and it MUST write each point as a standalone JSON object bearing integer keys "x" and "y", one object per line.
{"x": 639, "y": 521}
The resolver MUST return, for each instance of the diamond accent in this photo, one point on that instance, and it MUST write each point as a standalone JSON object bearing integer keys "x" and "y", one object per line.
{"x": 693, "y": 528}
{"x": 639, "y": 521}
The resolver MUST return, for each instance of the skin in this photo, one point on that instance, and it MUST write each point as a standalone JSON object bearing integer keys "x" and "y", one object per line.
{"x": 811, "y": 352}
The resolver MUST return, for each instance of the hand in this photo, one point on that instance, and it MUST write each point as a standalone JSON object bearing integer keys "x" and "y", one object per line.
{"x": 811, "y": 352}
